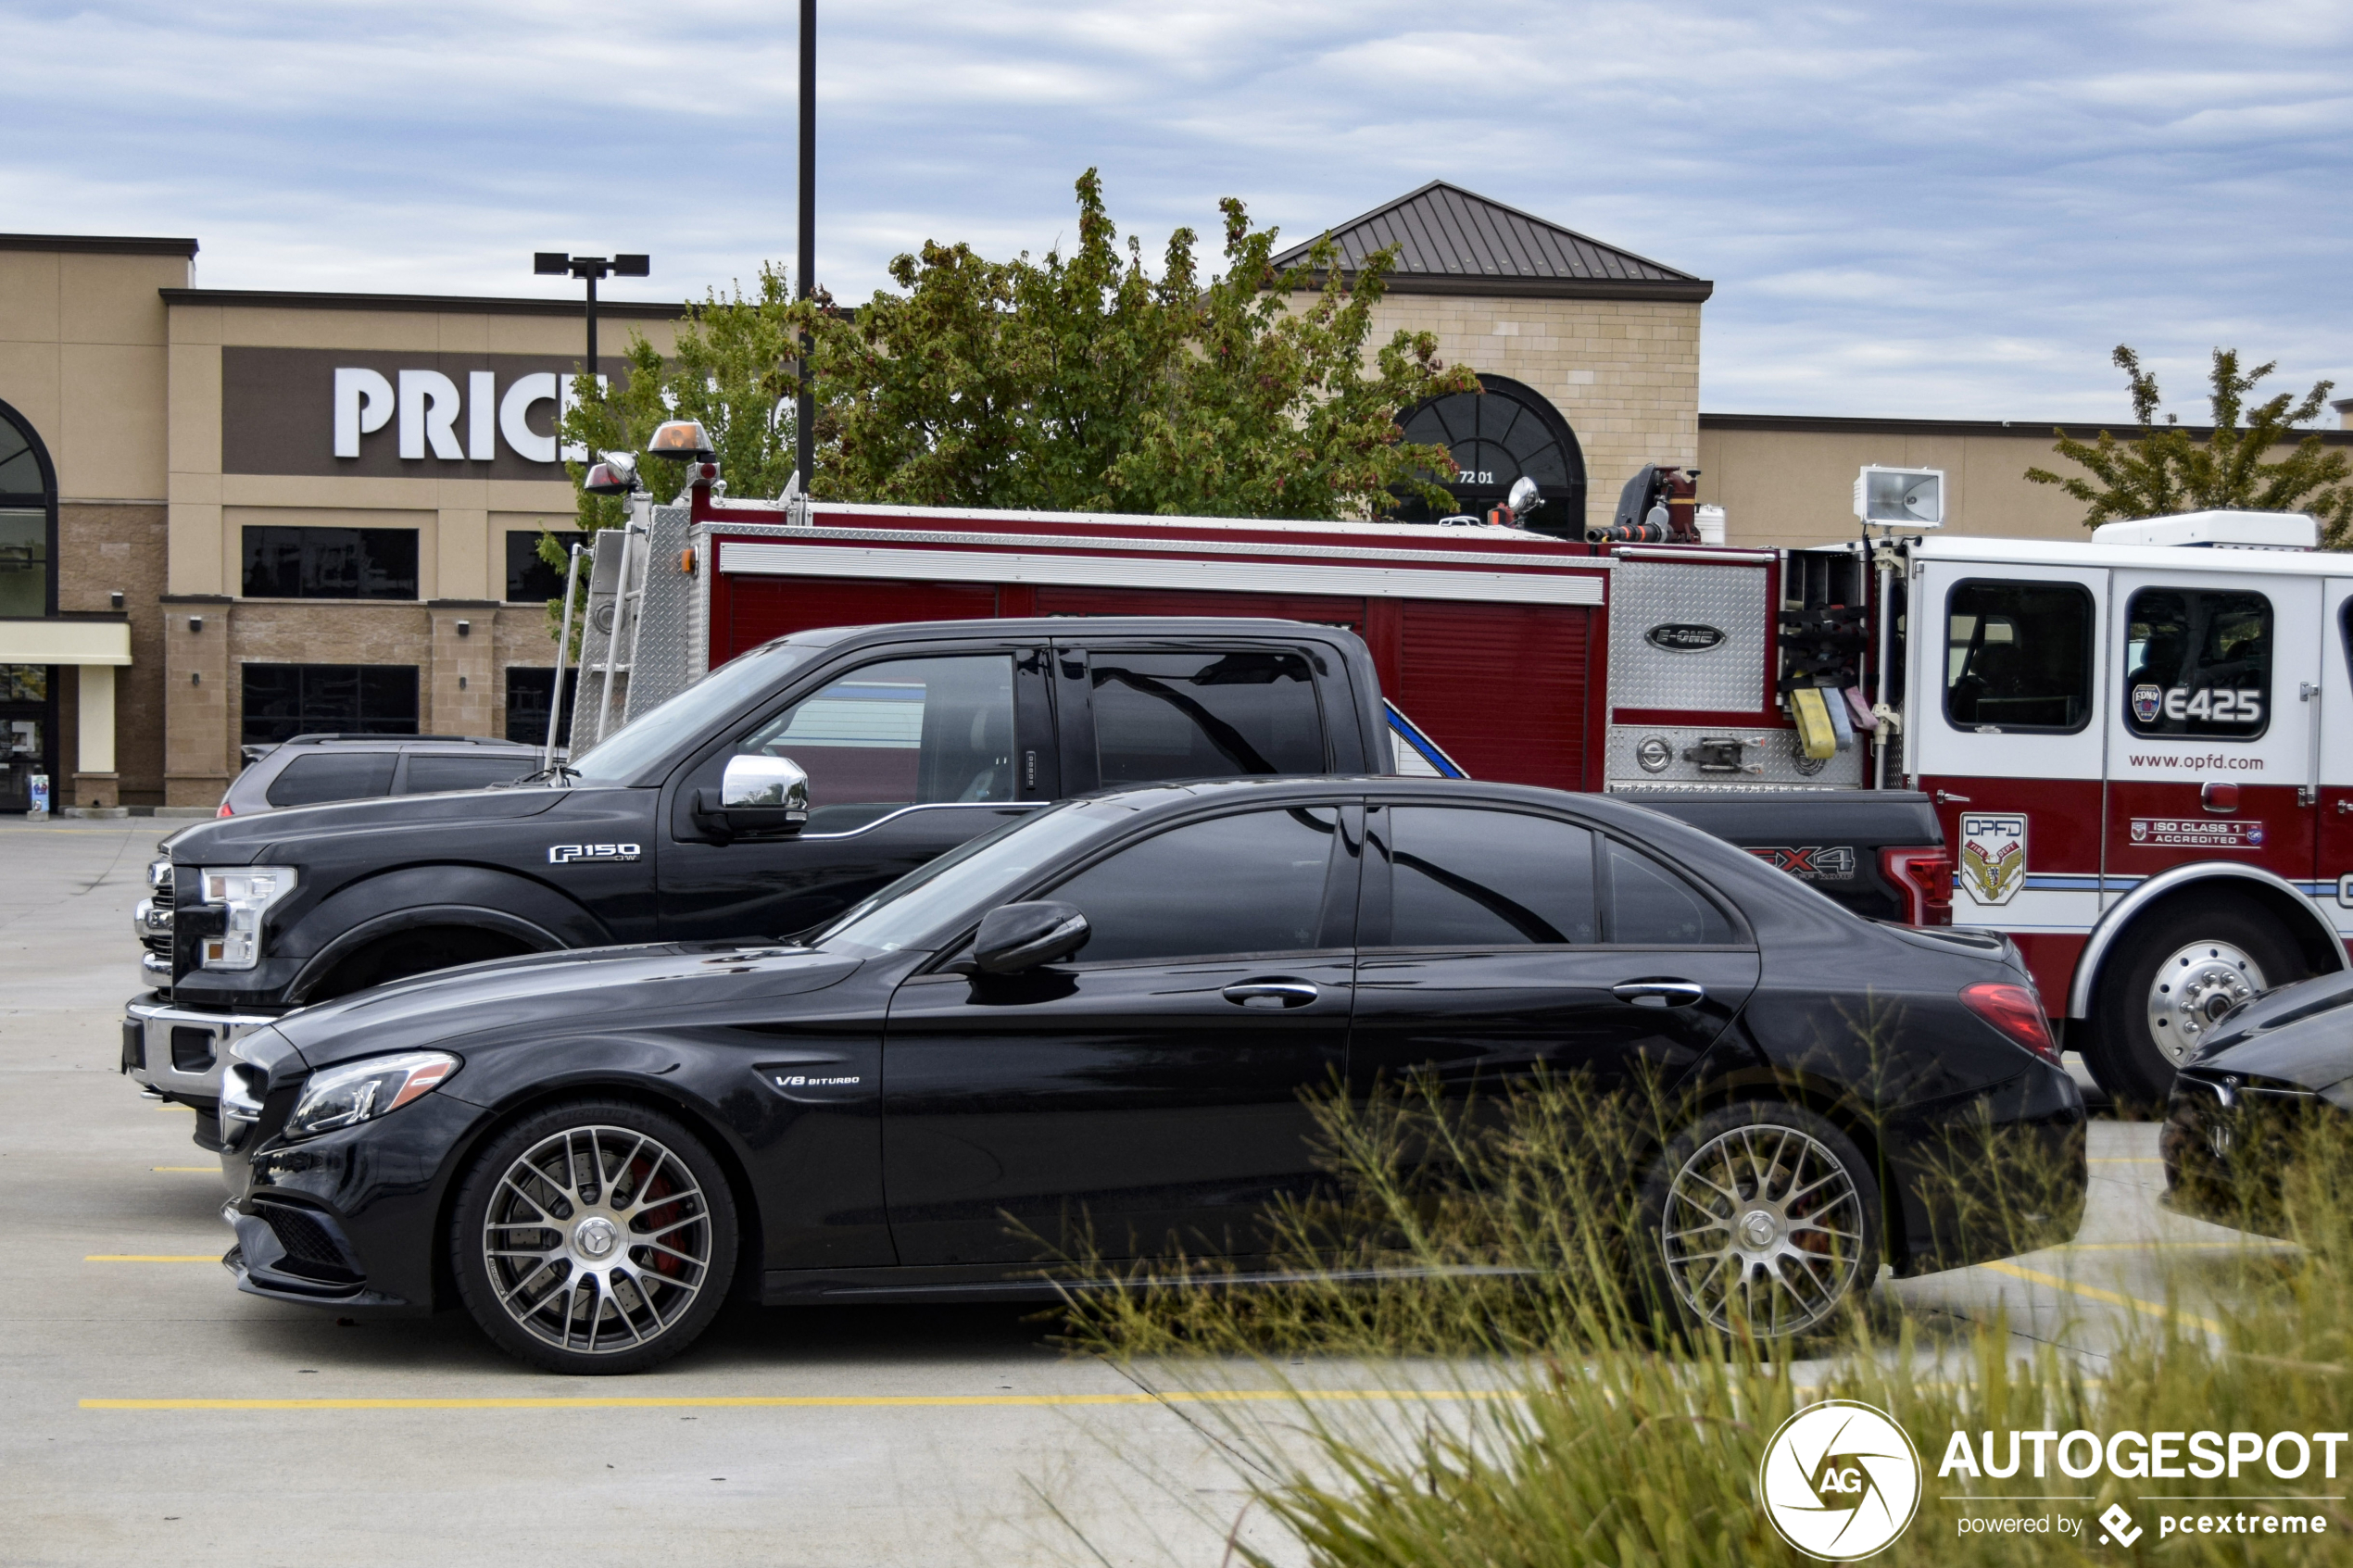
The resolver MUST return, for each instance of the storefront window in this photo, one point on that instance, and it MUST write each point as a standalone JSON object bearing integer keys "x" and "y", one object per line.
{"x": 285, "y": 700}
{"x": 24, "y": 563}
{"x": 24, "y": 683}
{"x": 530, "y": 579}
{"x": 330, "y": 563}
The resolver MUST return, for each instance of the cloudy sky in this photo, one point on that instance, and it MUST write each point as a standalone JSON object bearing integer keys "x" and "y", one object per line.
{"x": 1927, "y": 211}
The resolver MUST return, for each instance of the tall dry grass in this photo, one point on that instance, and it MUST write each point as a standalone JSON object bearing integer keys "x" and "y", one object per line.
{"x": 1477, "y": 1370}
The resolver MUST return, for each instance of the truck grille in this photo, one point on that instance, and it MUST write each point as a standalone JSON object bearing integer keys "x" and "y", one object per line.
{"x": 156, "y": 936}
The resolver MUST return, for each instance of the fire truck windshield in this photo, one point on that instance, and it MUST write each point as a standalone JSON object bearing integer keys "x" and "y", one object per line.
{"x": 652, "y": 738}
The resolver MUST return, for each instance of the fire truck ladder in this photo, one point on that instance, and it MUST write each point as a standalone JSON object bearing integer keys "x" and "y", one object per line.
{"x": 609, "y": 634}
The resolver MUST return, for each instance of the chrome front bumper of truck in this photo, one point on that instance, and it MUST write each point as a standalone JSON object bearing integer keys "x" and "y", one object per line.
{"x": 180, "y": 1052}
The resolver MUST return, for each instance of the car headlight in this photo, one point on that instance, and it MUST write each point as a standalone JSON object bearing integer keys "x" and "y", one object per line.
{"x": 360, "y": 1091}
{"x": 247, "y": 892}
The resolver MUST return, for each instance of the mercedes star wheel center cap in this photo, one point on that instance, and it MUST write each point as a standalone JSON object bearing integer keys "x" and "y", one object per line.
{"x": 595, "y": 1237}
{"x": 1759, "y": 1229}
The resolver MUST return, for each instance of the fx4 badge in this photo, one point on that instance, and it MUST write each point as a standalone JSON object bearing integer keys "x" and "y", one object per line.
{"x": 1809, "y": 862}
{"x": 566, "y": 854}
{"x": 1992, "y": 855}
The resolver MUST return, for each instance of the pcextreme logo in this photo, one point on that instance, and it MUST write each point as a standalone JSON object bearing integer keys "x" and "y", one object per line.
{"x": 1840, "y": 1480}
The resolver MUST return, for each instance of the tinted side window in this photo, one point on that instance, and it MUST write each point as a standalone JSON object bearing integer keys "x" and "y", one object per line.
{"x": 1469, "y": 878}
{"x": 334, "y": 775}
{"x": 1648, "y": 906}
{"x": 1166, "y": 716}
{"x": 905, "y": 733}
{"x": 427, "y": 774}
{"x": 2017, "y": 656}
{"x": 2198, "y": 663}
{"x": 1246, "y": 884}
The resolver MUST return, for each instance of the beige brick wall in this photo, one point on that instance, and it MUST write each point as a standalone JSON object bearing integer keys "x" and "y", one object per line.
{"x": 1625, "y": 375}
{"x": 102, "y": 550}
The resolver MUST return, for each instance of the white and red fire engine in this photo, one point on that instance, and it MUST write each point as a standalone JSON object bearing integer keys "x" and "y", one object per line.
{"x": 2141, "y": 747}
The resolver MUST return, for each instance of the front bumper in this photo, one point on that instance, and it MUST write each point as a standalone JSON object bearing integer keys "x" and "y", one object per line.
{"x": 180, "y": 1052}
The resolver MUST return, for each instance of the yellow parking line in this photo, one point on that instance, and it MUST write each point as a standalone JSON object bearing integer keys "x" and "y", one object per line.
{"x": 803, "y": 1401}
{"x": 2109, "y": 1298}
{"x": 206, "y": 1170}
{"x": 151, "y": 1258}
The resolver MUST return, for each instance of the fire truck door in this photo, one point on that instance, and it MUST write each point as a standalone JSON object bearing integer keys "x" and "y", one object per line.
{"x": 2007, "y": 674}
{"x": 2213, "y": 721}
{"x": 2332, "y": 874}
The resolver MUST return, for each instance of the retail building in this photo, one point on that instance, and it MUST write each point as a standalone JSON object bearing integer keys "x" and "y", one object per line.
{"x": 230, "y": 516}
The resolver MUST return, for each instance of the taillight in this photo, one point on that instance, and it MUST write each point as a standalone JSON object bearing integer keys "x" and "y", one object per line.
{"x": 1926, "y": 878}
{"x": 2017, "y": 1011}
{"x": 225, "y": 811}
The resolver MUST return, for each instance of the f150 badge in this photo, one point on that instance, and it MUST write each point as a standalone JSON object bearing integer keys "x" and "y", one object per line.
{"x": 567, "y": 854}
{"x": 1992, "y": 855}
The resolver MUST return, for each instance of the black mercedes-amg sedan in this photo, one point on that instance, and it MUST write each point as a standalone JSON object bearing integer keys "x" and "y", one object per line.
{"x": 1111, "y": 1011}
{"x": 2271, "y": 1075}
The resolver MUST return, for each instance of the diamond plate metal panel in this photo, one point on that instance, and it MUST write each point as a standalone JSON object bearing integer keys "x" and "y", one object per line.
{"x": 1783, "y": 764}
{"x": 661, "y": 665}
{"x": 1647, "y": 594}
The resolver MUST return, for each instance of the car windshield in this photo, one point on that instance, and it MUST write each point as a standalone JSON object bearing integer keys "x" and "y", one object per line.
{"x": 913, "y": 907}
{"x": 654, "y": 736}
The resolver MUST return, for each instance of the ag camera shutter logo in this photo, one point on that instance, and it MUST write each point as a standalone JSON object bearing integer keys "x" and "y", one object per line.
{"x": 1840, "y": 1480}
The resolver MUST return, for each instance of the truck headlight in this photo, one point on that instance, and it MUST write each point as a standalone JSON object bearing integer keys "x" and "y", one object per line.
{"x": 359, "y": 1091}
{"x": 245, "y": 891}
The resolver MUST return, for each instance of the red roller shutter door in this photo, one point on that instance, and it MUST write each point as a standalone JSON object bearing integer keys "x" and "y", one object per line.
{"x": 757, "y": 608}
{"x": 1320, "y": 608}
{"x": 1501, "y": 688}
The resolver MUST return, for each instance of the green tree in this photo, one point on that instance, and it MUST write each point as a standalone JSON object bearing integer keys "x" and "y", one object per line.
{"x": 2163, "y": 468}
{"x": 732, "y": 370}
{"x": 1084, "y": 383}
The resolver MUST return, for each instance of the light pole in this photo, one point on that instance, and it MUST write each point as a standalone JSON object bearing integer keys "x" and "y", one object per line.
{"x": 556, "y": 264}
{"x": 805, "y": 406}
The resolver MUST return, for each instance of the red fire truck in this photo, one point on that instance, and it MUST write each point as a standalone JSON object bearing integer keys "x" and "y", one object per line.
{"x": 2141, "y": 747}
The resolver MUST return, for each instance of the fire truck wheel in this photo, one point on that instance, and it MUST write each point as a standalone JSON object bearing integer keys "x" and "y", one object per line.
{"x": 2185, "y": 968}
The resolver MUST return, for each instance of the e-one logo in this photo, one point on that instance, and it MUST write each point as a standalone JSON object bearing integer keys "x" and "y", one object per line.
{"x": 1840, "y": 1480}
{"x": 565, "y": 854}
{"x": 429, "y": 406}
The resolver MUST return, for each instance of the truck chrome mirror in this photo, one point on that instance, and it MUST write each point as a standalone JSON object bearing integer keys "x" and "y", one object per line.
{"x": 1524, "y": 497}
{"x": 756, "y": 796}
{"x": 1015, "y": 937}
{"x": 764, "y": 780}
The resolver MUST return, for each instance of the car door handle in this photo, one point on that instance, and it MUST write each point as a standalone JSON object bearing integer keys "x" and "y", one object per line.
{"x": 1274, "y": 993}
{"x": 1660, "y": 993}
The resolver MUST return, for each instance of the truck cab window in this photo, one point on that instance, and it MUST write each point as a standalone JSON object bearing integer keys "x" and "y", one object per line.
{"x": 907, "y": 731}
{"x": 1165, "y": 717}
{"x": 2198, "y": 663}
{"x": 2017, "y": 657}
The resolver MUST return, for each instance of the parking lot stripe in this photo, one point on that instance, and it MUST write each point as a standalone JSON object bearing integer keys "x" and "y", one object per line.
{"x": 151, "y": 1258}
{"x": 207, "y": 1170}
{"x": 2107, "y": 1298}
{"x": 808, "y": 1401}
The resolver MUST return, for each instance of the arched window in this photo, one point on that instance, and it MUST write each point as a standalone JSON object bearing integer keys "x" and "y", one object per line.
{"x": 27, "y": 591}
{"x": 1497, "y": 435}
{"x": 28, "y": 520}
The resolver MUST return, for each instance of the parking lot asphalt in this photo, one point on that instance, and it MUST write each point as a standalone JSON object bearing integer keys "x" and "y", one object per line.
{"x": 153, "y": 1413}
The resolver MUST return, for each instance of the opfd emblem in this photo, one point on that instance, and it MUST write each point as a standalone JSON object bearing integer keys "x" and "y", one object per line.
{"x": 1992, "y": 855}
{"x": 1840, "y": 1480}
{"x": 2148, "y": 701}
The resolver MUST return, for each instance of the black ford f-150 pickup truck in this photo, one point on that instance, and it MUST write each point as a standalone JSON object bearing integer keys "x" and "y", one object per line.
{"x": 800, "y": 777}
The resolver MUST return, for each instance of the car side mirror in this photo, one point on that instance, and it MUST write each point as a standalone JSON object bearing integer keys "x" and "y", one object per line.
{"x": 756, "y": 795}
{"x": 1015, "y": 937}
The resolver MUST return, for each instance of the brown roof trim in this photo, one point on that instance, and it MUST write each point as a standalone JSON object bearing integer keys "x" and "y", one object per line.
{"x": 100, "y": 244}
{"x": 1692, "y": 293}
{"x": 2024, "y": 430}
{"x": 427, "y": 304}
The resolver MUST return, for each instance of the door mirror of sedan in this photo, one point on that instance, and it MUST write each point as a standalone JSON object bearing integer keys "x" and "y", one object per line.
{"x": 757, "y": 795}
{"x": 1015, "y": 937}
